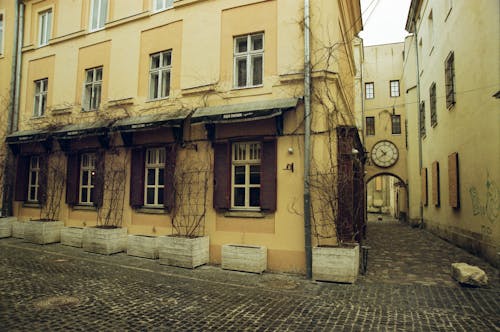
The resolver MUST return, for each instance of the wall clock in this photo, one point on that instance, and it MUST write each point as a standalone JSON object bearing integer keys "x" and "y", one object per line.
{"x": 384, "y": 154}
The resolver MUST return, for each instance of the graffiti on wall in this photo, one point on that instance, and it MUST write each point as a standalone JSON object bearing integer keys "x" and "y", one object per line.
{"x": 486, "y": 203}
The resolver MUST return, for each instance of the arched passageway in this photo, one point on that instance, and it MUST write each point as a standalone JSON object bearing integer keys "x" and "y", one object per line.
{"x": 386, "y": 195}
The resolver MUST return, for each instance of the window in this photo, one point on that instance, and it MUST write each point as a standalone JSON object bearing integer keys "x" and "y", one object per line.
{"x": 432, "y": 101}
{"x": 155, "y": 175}
{"x": 245, "y": 184}
{"x": 245, "y": 176}
{"x": 34, "y": 176}
{"x": 430, "y": 28}
{"x": 422, "y": 119}
{"x": 396, "y": 124}
{"x": 369, "y": 90}
{"x": 98, "y": 12}
{"x": 370, "y": 126}
{"x": 450, "y": 79}
{"x": 248, "y": 60}
{"x": 159, "y": 75}
{"x": 44, "y": 27}
{"x": 40, "y": 102}
{"x": 92, "y": 89}
{"x": 394, "y": 88}
{"x": 87, "y": 177}
{"x": 162, "y": 4}
{"x": 1, "y": 33}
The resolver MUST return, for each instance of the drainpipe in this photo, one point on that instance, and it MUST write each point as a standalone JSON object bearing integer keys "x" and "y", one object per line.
{"x": 13, "y": 111}
{"x": 307, "y": 140}
{"x": 419, "y": 118}
{"x": 20, "y": 33}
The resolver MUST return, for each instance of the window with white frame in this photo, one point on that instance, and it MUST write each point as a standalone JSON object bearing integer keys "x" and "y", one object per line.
{"x": 162, "y": 4}
{"x": 92, "y": 89}
{"x": 155, "y": 177}
{"x": 245, "y": 174}
{"x": 1, "y": 33}
{"x": 159, "y": 74}
{"x": 248, "y": 60}
{"x": 34, "y": 178}
{"x": 40, "y": 102}
{"x": 87, "y": 177}
{"x": 98, "y": 13}
{"x": 369, "y": 90}
{"x": 394, "y": 85}
{"x": 44, "y": 27}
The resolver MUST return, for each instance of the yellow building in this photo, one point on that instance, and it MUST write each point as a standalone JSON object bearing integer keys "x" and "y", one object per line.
{"x": 452, "y": 78}
{"x": 162, "y": 113}
{"x": 384, "y": 116}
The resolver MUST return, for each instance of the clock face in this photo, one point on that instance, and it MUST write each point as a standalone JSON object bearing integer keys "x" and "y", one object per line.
{"x": 384, "y": 154}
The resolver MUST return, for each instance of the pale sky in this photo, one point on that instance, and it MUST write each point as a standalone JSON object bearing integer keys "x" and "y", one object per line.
{"x": 384, "y": 21}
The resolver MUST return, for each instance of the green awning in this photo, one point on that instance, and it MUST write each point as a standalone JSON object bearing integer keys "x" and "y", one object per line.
{"x": 251, "y": 111}
{"x": 151, "y": 121}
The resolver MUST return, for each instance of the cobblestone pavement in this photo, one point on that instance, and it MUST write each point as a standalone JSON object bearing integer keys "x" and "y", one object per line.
{"x": 53, "y": 287}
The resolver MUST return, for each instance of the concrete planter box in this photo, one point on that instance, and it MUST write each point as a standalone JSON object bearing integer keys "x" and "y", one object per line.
{"x": 142, "y": 246}
{"x": 241, "y": 257}
{"x": 18, "y": 229}
{"x": 337, "y": 264}
{"x": 6, "y": 226}
{"x": 72, "y": 236}
{"x": 182, "y": 251}
{"x": 42, "y": 232}
{"x": 105, "y": 241}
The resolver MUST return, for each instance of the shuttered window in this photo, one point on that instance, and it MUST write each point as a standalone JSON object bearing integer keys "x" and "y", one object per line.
{"x": 449, "y": 79}
{"x": 84, "y": 178}
{"x": 152, "y": 176}
{"x": 31, "y": 179}
{"x": 245, "y": 176}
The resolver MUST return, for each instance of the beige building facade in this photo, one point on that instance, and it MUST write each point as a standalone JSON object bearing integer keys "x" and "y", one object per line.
{"x": 384, "y": 116}
{"x": 162, "y": 96}
{"x": 452, "y": 79}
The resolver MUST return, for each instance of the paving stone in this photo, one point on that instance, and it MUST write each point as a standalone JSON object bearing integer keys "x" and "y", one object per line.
{"x": 64, "y": 288}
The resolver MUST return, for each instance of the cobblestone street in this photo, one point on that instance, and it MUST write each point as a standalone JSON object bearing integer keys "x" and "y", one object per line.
{"x": 408, "y": 287}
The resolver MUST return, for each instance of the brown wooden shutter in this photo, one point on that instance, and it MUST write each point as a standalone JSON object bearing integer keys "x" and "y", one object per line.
{"x": 268, "y": 176}
{"x": 137, "y": 178}
{"x": 22, "y": 178}
{"x": 453, "y": 181}
{"x": 436, "y": 193}
{"x": 169, "y": 177}
{"x": 423, "y": 179}
{"x": 98, "y": 193}
{"x": 43, "y": 178}
{"x": 72, "y": 179}
{"x": 222, "y": 176}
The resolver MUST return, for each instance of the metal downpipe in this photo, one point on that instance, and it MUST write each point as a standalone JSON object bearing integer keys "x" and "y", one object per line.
{"x": 307, "y": 140}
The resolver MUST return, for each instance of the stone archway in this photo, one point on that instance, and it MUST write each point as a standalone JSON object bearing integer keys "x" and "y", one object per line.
{"x": 387, "y": 193}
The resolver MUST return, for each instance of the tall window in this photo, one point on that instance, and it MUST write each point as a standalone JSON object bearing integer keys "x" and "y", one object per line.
{"x": 369, "y": 90}
{"x": 40, "y": 102}
{"x": 44, "y": 27}
{"x": 162, "y": 4}
{"x": 98, "y": 12}
{"x": 248, "y": 60}
{"x": 1, "y": 33}
{"x": 159, "y": 74}
{"x": 449, "y": 79}
{"x": 155, "y": 177}
{"x": 34, "y": 178}
{"x": 87, "y": 177}
{"x": 370, "y": 126}
{"x": 432, "y": 101}
{"x": 92, "y": 89}
{"x": 394, "y": 88}
{"x": 422, "y": 119}
{"x": 246, "y": 176}
{"x": 396, "y": 124}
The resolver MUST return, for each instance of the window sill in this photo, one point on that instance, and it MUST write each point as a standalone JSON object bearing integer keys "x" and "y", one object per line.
{"x": 34, "y": 205}
{"x": 248, "y": 87}
{"x": 84, "y": 207}
{"x": 96, "y": 30}
{"x": 157, "y": 99}
{"x": 244, "y": 214}
{"x": 157, "y": 11}
{"x": 151, "y": 210}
